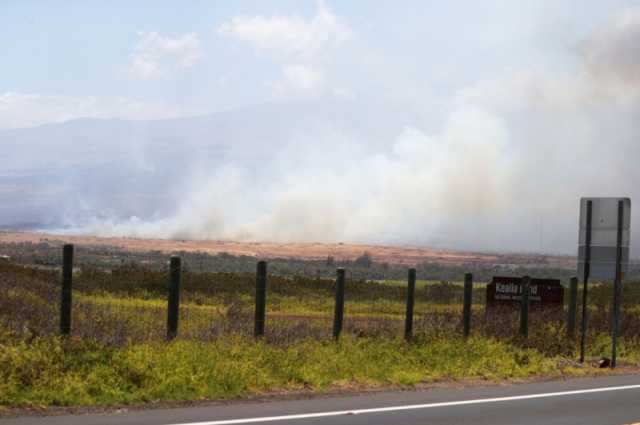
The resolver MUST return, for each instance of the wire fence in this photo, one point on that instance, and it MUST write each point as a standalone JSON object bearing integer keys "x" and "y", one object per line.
{"x": 128, "y": 304}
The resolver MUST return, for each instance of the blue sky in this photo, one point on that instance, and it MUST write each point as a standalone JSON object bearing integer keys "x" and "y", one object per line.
{"x": 389, "y": 50}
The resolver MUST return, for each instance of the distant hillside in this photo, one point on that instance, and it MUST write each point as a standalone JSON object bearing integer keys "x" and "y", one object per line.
{"x": 398, "y": 255}
{"x": 90, "y": 168}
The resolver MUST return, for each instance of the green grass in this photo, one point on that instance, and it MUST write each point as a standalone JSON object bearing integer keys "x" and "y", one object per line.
{"x": 52, "y": 371}
{"x": 117, "y": 353}
{"x": 281, "y": 304}
{"x": 141, "y": 316}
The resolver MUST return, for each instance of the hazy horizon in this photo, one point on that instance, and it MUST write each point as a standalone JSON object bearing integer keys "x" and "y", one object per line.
{"x": 457, "y": 125}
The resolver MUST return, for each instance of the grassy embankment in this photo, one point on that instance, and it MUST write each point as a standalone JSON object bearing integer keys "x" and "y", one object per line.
{"x": 117, "y": 356}
{"x": 50, "y": 371}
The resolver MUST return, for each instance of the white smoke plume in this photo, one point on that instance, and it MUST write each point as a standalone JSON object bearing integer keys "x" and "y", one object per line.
{"x": 503, "y": 170}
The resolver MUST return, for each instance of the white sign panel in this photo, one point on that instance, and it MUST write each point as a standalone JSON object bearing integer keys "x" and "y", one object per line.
{"x": 604, "y": 236}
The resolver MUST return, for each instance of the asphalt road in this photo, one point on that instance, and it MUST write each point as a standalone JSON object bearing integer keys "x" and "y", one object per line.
{"x": 598, "y": 401}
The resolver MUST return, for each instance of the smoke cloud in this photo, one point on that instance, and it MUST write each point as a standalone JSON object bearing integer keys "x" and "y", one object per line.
{"x": 502, "y": 167}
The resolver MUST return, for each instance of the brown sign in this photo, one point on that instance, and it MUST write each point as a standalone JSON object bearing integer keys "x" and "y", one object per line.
{"x": 508, "y": 290}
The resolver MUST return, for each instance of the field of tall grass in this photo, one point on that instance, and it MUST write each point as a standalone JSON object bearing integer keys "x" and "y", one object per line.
{"x": 117, "y": 353}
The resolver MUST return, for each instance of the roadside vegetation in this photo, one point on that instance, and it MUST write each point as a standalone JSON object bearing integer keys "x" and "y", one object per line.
{"x": 51, "y": 371}
{"x": 117, "y": 353}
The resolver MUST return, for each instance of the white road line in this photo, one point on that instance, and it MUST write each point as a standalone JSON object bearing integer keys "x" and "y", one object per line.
{"x": 412, "y": 407}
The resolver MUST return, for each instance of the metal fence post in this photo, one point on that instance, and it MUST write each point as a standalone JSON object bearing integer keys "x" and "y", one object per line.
{"x": 411, "y": 292}
{"x": 573, "y": 306}
{"x": 173, "y": 311}
{"x": 338, "y": 315}
{"x": 466, "y": 307}
{"x": 261, "y": 298}
{"x": 67, "y": 280}
{"x": 524, "y": 307}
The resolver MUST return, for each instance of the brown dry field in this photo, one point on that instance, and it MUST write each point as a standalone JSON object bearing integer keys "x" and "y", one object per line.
{"x": 401, "y": 255}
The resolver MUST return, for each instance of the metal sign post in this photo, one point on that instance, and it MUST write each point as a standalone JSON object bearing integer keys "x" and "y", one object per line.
{"x": 603, "y": 254}
{"x": 585, "y": 278}
{"x": 617, "y": 286}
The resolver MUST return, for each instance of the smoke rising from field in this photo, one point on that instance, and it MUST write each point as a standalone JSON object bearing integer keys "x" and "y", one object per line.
{"x": 503, "y": 170}
{"x": 337, "y": 189}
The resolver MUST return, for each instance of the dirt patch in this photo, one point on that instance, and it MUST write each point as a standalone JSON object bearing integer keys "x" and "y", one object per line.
{"x": 399, "y": 255}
